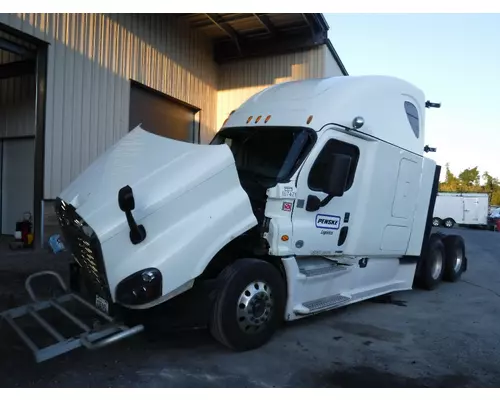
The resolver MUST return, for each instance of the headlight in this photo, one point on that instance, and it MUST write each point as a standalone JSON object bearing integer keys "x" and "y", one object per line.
{"x": 140, "y": 288}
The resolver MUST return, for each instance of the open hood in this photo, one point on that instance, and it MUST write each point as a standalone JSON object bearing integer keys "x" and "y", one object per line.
{"x": 157, "y": 169}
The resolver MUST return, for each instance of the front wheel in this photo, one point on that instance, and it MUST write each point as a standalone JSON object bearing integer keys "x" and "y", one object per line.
{"x": 249, "y": 306}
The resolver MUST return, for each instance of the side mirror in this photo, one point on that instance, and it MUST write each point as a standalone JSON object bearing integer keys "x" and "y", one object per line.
{"x": 126, "y": 203}
{"x": 337, "y": 174}
{"x": 126, "y": 199}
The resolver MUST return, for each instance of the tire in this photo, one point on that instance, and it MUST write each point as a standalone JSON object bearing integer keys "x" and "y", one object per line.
{"x": 449, "y": 223}
{"x": 436, "y": 222}
{"x": 231, "y": 321}
{"x": 456, "y": 260}
{"x": 432, "y": 267}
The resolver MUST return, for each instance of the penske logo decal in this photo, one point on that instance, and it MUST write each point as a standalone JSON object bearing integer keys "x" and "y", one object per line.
{"x": 324, "y": 221}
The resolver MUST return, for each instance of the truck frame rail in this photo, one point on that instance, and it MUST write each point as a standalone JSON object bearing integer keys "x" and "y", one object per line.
{"x": 90, "y": 337}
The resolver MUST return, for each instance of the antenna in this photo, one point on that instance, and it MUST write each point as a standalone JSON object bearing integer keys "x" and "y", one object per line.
{"x": 428, "y": 149}
{"x": 428, "y": 104}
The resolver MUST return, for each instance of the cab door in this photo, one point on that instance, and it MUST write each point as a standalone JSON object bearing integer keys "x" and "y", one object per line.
{"x": 324, "y": 231}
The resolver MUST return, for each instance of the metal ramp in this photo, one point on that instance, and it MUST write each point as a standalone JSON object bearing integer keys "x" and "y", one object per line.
{"x": 90, "y": 338}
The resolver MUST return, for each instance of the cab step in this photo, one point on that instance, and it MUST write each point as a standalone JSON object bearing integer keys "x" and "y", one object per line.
{"x": 90, "y": 338}
{"x": 321, "y": 270}
{"x": 323, "y": 304}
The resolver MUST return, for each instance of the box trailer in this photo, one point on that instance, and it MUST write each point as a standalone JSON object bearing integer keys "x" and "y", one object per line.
{"x": 314, "y": 195}
{"x": 461, "y": 208}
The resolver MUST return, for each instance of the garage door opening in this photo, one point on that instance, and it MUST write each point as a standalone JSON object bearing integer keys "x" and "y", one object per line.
{"x": 22, "y": 112}
{"x": 163, "y": 115}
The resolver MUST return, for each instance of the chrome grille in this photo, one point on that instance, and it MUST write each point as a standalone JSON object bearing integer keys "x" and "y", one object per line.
{"x": 83, "y": 243}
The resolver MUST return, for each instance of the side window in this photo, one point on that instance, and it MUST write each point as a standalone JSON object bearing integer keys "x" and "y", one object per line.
{"x": 412, "y": 114}
{"x": 318, "y": 171}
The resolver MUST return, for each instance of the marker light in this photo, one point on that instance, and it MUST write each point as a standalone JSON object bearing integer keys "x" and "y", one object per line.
{"x": 309, "y": 119}
{"x": 267, "y": 119}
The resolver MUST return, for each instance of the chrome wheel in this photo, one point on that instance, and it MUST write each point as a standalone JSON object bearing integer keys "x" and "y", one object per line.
{"x": 448, "y": 224}
{"x": 437, "y": 266}
{"x": 459, "y": 256}
{"x": 255, "y": 307}
{"x": 435, "y": 222}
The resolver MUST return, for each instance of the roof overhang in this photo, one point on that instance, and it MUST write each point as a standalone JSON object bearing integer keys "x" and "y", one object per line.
{"x": 240, "y": 36}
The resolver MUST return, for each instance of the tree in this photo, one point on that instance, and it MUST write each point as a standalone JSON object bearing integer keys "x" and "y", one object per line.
{"x": 490, "y": 182}
{"x": 451, "y": 183}
{"x": 469, "y": 177}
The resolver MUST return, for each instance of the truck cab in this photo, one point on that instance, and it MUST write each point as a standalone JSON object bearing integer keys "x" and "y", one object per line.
{"x": 337, "y": 176}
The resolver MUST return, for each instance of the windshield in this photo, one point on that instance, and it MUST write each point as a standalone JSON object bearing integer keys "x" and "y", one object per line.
{"x": 269, "y": 153}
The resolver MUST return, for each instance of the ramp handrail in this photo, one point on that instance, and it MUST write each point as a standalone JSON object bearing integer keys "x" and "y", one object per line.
{"x": 29, "y": 289}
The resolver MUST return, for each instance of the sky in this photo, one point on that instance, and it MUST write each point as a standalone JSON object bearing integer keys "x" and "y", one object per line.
{"x": 453, "y": 58}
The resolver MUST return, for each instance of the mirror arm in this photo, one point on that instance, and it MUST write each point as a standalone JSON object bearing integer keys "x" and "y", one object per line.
{"x": 314, "y": 203}
{"x": 137, "y": 232}
{"x": 326, "y": 200}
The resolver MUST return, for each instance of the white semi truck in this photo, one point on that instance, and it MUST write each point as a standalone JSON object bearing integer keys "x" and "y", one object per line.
{"x": 315, "y": 194}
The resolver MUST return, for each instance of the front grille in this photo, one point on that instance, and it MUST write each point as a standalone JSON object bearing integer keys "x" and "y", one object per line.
{"x": 83, "y": 243}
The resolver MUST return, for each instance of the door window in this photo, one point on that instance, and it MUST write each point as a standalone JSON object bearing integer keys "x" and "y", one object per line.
{"x": 317, "y": 175}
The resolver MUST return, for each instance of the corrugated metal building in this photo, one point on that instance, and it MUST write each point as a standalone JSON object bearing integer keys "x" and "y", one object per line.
{"x": 72, "y": 84}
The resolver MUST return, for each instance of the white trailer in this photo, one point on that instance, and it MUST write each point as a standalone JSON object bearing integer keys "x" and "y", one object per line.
{"x": 460, "y": 208}
{"x": 314, "y": 195}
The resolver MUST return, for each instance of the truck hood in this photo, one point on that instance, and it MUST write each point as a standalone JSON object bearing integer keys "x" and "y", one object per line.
{"x": 157, "y": 169}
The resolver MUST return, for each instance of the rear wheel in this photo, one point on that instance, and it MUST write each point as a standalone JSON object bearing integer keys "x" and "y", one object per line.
{"x": 449, "y": 223}
{"x": 455, "y": 263}
{"x": 432, "y": 268}
{"x": 249, "y": 306}
{"x": 436, "y": 221}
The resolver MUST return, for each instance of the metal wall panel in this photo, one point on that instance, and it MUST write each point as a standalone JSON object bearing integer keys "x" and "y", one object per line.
{"x": 7, "y": 57}
{"x": 331, "y": 66}
{"x": 17, "y": 107}
{"x": 241, "y": 79}
{"x": 91, "y": 59}
{"x": 18, "y": 168}
{"x": 17, "y": 100}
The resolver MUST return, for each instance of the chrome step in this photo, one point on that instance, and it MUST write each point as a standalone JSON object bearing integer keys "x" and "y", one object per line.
{"x": 323, "y": 270}
{"x": 326, "y": 303}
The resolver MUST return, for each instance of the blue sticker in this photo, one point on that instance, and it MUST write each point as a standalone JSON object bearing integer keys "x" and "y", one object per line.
{"x": 324, "y": 221}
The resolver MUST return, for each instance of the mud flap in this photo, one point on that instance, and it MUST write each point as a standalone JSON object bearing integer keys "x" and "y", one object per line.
{"x": 90, "y": 338}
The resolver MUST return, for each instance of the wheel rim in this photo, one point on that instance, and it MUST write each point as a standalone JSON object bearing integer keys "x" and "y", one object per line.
{"x": 255, "y": 306}
{"x": 435, "y": 222}
{"x": 459, "y": 256}
{"x": 437, "y": 266}
{"x": 449, "y": 224}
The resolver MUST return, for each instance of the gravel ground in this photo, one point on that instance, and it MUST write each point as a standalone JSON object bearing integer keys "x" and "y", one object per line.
{"x": 449, "y": 337}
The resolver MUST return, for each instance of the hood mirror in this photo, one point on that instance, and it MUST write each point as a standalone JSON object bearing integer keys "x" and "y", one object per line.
{"x": 126, "y": 202}
{"x": 126, "y": 199}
